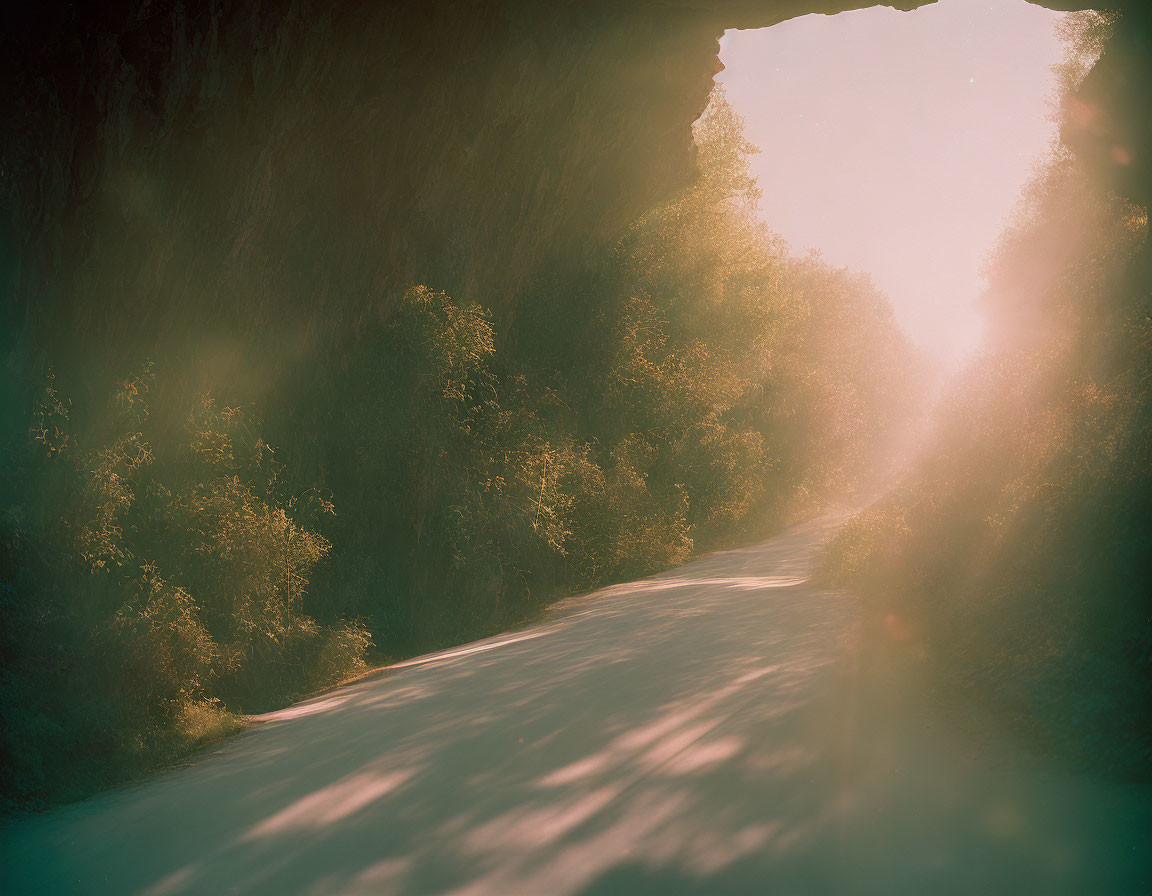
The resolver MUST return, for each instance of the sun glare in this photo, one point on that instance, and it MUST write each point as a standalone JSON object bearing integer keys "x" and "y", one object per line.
{"x": 897, "y": 142}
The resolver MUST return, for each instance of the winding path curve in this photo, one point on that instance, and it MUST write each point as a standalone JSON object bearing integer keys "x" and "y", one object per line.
{"x": 709, "y": 730}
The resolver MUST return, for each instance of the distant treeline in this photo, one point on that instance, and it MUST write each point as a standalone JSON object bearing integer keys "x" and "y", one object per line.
{"x": 168, "y": 560}
{"x": 1018, "y": 558}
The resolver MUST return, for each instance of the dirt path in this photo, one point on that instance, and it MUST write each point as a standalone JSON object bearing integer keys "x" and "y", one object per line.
{"x": 704, "y": 731}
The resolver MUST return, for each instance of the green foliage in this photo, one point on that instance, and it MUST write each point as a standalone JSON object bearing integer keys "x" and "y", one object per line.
{"x": 158, "y": 593}
{"x": 1085, "y": 35}
{"x": 1020, "y": 548}
{"x": 169, "y": 568}
{"x": 854, "y": 557}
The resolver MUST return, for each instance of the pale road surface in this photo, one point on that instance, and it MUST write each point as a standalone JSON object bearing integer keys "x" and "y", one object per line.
{"x": 709, "y": 730}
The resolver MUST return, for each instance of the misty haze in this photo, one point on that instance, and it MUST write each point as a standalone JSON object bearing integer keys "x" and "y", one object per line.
{"x": 491, "y": 447}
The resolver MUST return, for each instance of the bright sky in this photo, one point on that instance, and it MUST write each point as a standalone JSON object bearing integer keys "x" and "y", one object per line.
{"x": 897, "y": 142}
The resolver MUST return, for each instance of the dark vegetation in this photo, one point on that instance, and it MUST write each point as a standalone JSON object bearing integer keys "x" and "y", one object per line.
{"x": 1016, "y": 561}
{"x": 169, "y": 559}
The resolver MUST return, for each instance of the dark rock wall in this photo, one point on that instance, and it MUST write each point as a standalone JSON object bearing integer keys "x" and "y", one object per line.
{"x": 244, "y": 185}
{"x": 225, "y": 178}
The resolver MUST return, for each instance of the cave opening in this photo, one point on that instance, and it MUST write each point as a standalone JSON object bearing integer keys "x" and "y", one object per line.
{"x": 340, "y": 333}
{"x": 898, "y": 142}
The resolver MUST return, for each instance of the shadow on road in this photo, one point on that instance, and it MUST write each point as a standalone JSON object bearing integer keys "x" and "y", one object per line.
{"x": 709, "y": 730}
